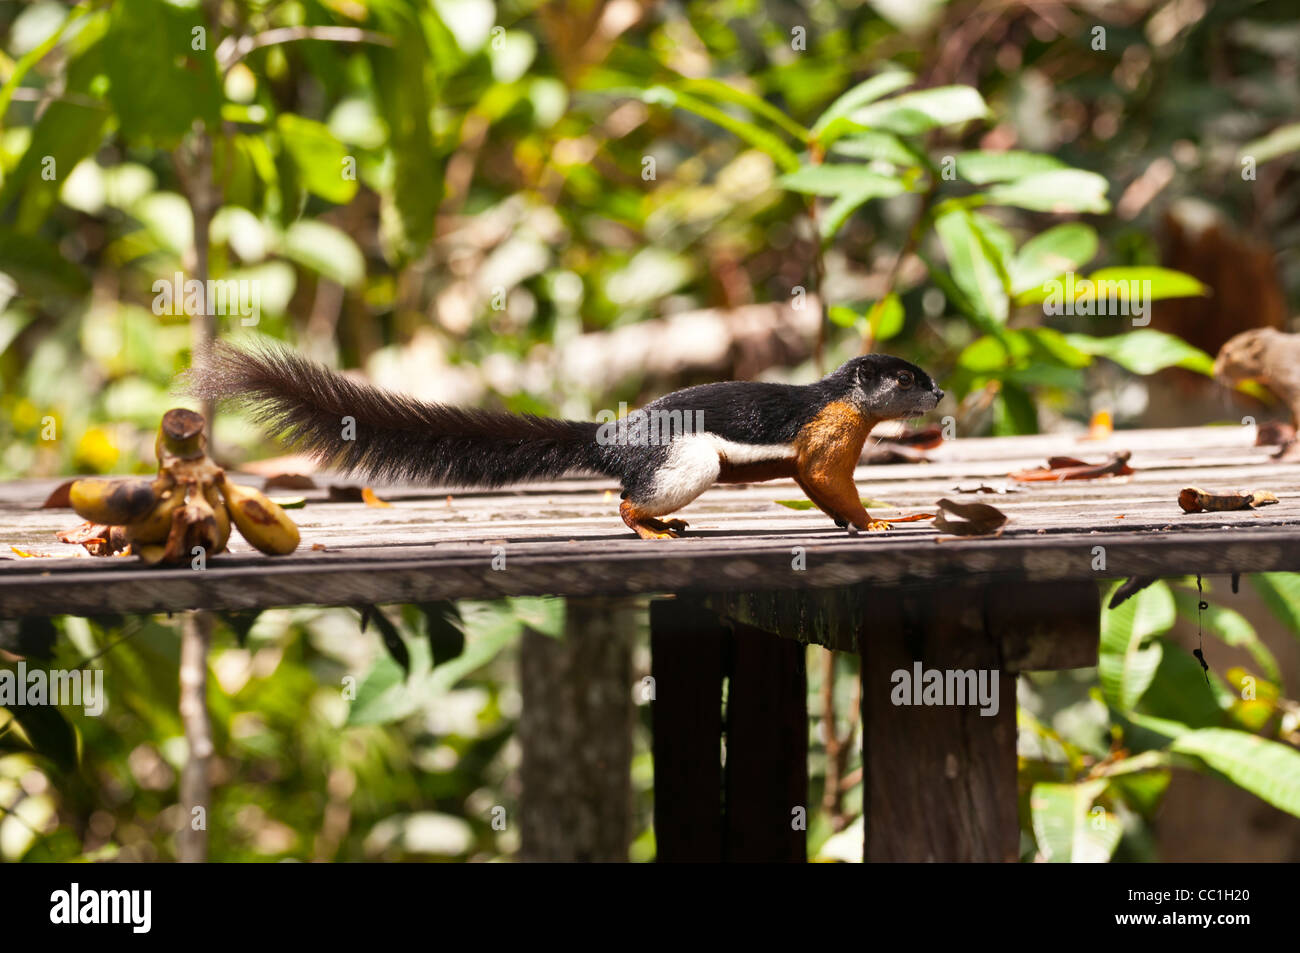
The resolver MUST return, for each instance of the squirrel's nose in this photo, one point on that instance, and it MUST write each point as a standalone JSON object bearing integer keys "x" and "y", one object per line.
{"x": 938, "y": 394}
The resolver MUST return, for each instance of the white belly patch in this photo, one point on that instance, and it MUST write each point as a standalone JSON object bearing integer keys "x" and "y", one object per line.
{"x": 693, "y": 464}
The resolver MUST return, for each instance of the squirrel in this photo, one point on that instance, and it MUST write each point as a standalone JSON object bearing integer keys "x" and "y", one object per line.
{"x": 1272, "y": 358}
{"x": 665, "y": 455}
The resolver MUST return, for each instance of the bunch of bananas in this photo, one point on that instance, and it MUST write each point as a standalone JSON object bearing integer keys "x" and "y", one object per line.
{"x": 189, "y": 503}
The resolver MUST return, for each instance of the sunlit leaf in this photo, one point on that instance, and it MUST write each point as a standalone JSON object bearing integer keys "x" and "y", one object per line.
{"x": 973, "y": 264}
{"x": 1062, "y": 190}
{"x": 1267, "y": 769}
{"x": 1066, "y": 827}
{"x": 1145, "y": 351}
{"x": 867, "y": 91}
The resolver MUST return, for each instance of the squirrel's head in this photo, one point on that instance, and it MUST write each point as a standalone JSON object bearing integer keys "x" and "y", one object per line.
{"x": 888, "y": 388}
{"x": 1244, "y": 356}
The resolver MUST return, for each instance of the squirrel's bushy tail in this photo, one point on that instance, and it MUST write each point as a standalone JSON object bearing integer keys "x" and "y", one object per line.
{"x": 394, "y": 439}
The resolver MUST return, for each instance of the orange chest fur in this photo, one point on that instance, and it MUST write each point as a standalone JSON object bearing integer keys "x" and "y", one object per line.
{"x": 831, "y": 442}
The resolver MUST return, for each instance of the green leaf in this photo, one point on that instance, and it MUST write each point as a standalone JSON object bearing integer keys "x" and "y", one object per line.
{"x": 973, "y": 265}
{"x": 38, "y": 53}
{"x": 840, "y": 180}
{"x": 48, "y": 732}
{"x": 1124, "y": 666}
{"x": 326, "y": 250}
{"x": 914, "y": 113}
{"x": 1066, "y": 829}
{"x": 37, "y": 267}
{"x": 1281, "y": 593}
{"x": 319, "y": 156}
{"x": 1145, "y": 351}
{"x": 1269, "y": 770}
{"x": 1279, "y": 142}
{"x": 886, "y": 317}
{"x": 542, "y": 614}
{"x": 159, "y": 84}
{"x": 804, "y": 505}
{"x": 1014, "y": 411}
{"x": 1114, "y": 287}
{"x": 750, "y": 132}
{"x": 985, "y": 167}
{"x": 1051, "y": 254}
{"x": 725, "y": 92}
{"x": 1062, "y": 190}
{"x": 1180, "y": 691}
{"x": 1164, "y": 282}
{"x": 867, "y": 91}
{"x": 412, "y": 197}
{"x": 877, "y": 146}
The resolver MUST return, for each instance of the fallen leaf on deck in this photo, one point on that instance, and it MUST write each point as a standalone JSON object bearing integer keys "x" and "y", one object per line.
{"x": 289, "y": 481}
{"x": 60, "y": 498}
{"x": 318, "y": 547}
{"x": 1069, "y": 468}
{"x": 972, "y": 519}
{"x": 1195, "y": 500}
{"x": 1274, "y": 433}
{"x": 914, "y": 518}
{"x": 808, "y": 505}
{"x": 985, "y": 488}
{"x": 368, "y": 497}
{"x": 99, "y": 540}
{"x": 26, "y": 555}
{"x": 1101, "y": 426}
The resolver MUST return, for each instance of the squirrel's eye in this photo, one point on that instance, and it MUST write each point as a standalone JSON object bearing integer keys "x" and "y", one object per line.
{"x": 904, "y": 379}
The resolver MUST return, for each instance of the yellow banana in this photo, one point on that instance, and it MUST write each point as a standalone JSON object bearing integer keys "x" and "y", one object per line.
{"x": 154, "y": 527}
{"x": 260, "y": 521}
{"x": 151, "y": 553}
{"x": 113, "y": 502}
{"x": 222, "y": 515}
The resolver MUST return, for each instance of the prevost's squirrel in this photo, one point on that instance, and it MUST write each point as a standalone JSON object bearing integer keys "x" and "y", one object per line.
{"x": 733, "y": 432}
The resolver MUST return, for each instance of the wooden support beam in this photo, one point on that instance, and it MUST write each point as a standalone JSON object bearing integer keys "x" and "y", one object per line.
{"x": 767, "y": 750}
{"x": 755, "y": 809}
{"x": 576, "y": 735}
{"x": 940, "y": 780}
{"x": 688, "y": 645}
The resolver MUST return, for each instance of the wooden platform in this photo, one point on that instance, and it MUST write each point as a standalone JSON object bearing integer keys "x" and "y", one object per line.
{"x": 939, "y": 782}
{"x": 565, "y": 538}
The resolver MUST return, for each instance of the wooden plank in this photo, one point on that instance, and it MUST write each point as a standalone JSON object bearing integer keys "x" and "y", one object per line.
{"x": 575, "y": 734}
{"x": 726, "y": 564}
{"x": 564, "y": 537}
{"x": 939, "y": 780}
{"x": 687, "y": 647}
{"x": 767, "y": 750}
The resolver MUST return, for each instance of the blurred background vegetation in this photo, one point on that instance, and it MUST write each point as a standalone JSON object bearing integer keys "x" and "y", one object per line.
{"x": 555, "y": 206}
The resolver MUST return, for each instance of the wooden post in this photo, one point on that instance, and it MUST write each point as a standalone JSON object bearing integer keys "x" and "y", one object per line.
{"x": 939, "y": 780}
{"x": 576, "y": 734}
{"x": 767, "y": 750}
{"x": 755, "y": 809}
{"x": 688, "y": 645}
